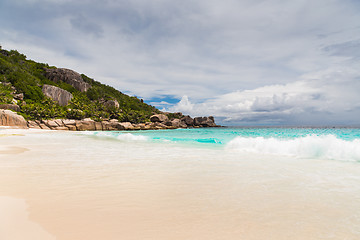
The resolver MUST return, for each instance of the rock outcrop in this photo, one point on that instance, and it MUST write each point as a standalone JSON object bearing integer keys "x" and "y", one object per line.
{"x": 184, "y": 122}
{"x": 10, "y": 118}
{"x": 13, "y": 107}
{"x": 88, "y": 124}
{"x": 187, "y": 120}
{"x": 177, "y": 123}
{"x": 112, "y": 104}
{"x": 159, "y": 118}
{"x": 68, "y": 76}
{"x": 159, "y": 121}
{"x": 19, "y": 96}
{"x": 85, "y": 125}
{"x": 204, "y": 121}
{"x": 57, "y": 94}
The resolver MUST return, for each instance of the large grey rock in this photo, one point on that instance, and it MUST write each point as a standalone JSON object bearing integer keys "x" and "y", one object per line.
{"x": 19, "y": 96}
{"x": 187, "y": 120}
{"x": 61, "y": 128}
{"x": 57, "y": 94}
{"x": 116, "y": 124}
{"x": 72, "y": 128}
{"x": 68, "y": 76}
{"x": 14, "y": 107}
{"x": 42, "y": 125}
{"x": 205, "y": 121}
{"x": 33, "y": 124}
{"x": 85, "y": 125}
{"x": 59, "y": 122}
{"x": 158, "y": 125}
{"x": 139, "y": 126}
{"x": 50, "y": 123}
{"x": 112, "y": 104}
{"x": 177, "y": 123}
{"x": 159, "y": 118}
{"x": 112, "y": 125}
{"x": 10, "y": 118}
{"x": 106, "y": 126}
{"x": 127, "y": 125}
{"x": 69, "y": 122}
{"x": 98, "y": 126}
{"x": 168, "y": 123}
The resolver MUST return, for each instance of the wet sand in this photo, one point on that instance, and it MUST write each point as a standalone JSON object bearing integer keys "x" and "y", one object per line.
{"x": 15, "y": 223}
{"x": 12, "y": 150}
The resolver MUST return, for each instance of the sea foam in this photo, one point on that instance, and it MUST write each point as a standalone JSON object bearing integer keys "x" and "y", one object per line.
{"x": 125, "y": 137}
{"x": 311, "y": 146}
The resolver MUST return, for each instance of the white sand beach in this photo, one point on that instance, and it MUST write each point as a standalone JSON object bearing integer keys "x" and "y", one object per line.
{"x": 15, "y": 223}
{"x": 71, "y": 185}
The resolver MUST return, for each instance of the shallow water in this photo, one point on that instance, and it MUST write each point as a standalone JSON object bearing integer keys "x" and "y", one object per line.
{"x": 170, "y": 185}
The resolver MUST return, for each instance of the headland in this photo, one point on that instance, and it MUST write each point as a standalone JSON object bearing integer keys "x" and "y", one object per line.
{"x": 36, "y": 95}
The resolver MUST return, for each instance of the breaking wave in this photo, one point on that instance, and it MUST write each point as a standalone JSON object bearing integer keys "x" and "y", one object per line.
{"x": 311, "y": 146}
{"x": 125, "y": 137}
{"x": 326, "y": 146}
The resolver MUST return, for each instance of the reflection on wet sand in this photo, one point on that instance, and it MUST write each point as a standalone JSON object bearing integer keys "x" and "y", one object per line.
{"x": 12, "y": 150}
{"x": 15, "y": 223}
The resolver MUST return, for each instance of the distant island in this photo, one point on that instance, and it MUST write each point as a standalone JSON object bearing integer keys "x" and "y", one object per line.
{"x": 36, "y": 95}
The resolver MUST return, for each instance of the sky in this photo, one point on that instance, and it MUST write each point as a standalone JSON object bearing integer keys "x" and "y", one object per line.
{"x": 245, "y": 62}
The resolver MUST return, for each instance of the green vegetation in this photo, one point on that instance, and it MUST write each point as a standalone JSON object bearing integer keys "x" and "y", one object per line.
{"x": 172, "y": 116}
{"x": 28, "y": 77}
{"x": 5, "y": 94}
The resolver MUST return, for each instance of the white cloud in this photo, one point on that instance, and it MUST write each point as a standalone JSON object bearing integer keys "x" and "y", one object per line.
{"x": 269, "y": 59}
{"x": 293, "y": 103}
{"x": 184, "y": 105}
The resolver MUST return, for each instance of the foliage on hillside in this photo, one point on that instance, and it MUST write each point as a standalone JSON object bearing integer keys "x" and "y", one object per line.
{"x": 5, "y": 94}
{"x": 28, "y": 77}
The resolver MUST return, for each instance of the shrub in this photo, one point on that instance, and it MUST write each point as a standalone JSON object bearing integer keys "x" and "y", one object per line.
{"x": 28, "y": 77}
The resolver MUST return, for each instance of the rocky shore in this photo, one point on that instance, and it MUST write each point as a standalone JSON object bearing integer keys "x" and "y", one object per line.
{"x": 63, "y": 99}
{"x": 158, "y": 121}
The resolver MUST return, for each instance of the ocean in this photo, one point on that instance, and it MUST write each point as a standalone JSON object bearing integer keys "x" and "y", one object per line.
{"x": 203, "y": 183}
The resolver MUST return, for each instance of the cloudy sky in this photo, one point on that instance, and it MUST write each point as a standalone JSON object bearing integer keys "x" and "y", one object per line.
{"x": 247, "y": 62}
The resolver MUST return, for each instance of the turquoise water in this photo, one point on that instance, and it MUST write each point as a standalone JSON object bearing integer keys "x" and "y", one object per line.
{"x": 225, "y": 135}
{"x": 328, "y": 143}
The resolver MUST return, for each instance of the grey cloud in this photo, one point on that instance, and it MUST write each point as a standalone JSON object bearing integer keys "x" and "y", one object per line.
{"x": 222, "y": 55}
{"x": 271, "y": 104}
{"x": 317, "y": 96}
{"x": 347, "y": 49}
{"x": 83, "y": 24}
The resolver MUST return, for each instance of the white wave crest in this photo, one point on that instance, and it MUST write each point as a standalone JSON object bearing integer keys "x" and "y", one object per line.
{"x": 131, "y": 137}
{"x": 126, "y": 137}
{"x": 323, "y": 147}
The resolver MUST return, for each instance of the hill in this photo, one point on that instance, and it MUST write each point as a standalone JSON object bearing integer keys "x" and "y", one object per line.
{"x": 23, "y": 81}
{"x": 40, "y": 92}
